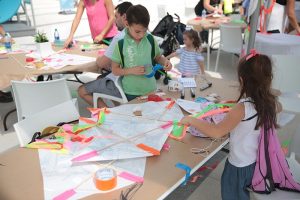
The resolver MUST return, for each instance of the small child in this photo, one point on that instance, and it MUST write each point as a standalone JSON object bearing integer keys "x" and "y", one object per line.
{"x": 256, "y": 108}
{"x": 191, "y": 60}
{"x": 130, "y": 60}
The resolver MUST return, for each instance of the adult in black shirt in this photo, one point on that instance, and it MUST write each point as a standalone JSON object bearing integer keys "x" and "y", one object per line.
{"x": 209, "y": 5}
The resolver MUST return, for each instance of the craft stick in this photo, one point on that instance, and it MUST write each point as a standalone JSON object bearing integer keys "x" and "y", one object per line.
{"x": 128, "y": 176}
{"x": 167, "y": 108}
{"x": 22, "y": 65}
{"x": 127, "y": 139}
{"x": 69, "y": 193}
{"x": 54, "y": 53}
{"x": 115, "y": 134}
{"x": 141, "y": 117}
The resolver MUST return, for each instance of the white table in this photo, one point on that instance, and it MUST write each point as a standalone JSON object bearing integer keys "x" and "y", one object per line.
{"x": 277, "y": 44}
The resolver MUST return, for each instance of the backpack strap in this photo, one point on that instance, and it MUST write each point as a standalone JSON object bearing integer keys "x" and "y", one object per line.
{"x": 120, "y": 46}
{"x": 150, "y": 38}
{"x": 253, "y": 116}
{"x": 249, "y": 118}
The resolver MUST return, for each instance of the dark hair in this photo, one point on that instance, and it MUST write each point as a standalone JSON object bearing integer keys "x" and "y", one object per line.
{"x": 123, "y": 7}
{"x": 193, "y": 35}
{"x": 255, "y": 76}
{"x": 138, "y": 14}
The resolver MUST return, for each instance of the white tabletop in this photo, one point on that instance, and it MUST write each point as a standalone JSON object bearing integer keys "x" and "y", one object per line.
{"x": 277, "y": 44}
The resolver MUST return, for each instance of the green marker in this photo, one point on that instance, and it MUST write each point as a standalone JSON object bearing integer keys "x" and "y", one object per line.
{"x": 106, "y": 41}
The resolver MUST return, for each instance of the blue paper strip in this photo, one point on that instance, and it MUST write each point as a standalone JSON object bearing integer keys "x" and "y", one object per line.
{"x": 187, "y": 170}
{"x": 154, "y": 69}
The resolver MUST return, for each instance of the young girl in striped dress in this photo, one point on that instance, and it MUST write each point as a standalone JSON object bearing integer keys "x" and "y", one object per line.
{"x": 191, "y": 60}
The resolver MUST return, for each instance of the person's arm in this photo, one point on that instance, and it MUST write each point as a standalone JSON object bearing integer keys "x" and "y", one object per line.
{"x": 2, "y": 31}
{"x": 208, "y": 7}
{"x": 164, "y": 62}
{"x": 232, "y": 119}
{"x": 172, "y": 55}
{"x": 76, "y": 21}
{"x": 103, "y": 62}
{"x": 290, "y": 8}
{"x": 220, "y": 8}
{"x": 118, "y": 71}
{"x": 111, "y": 19}
{"x": 202, "y": 67}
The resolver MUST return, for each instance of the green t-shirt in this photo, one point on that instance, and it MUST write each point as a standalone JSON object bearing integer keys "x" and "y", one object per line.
{"x": 136, "y": 54}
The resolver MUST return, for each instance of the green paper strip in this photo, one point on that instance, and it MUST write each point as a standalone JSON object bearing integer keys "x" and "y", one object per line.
{"x": 60, "y": 140}
{"x": 101, "y": 117}
{"x": 285, "y": 143}
{"x": 211, "y": 107}
{"x": 177, "y": 130}
{"x": 106, "y": 41}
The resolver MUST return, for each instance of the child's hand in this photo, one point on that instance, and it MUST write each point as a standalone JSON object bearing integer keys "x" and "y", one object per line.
{"x": 68, "y": 41}
{"x": 168, "y": 65}
{"x": 139, "y": 70}
{"x": 98, "y": 38}
{"x": 185, "y": 121}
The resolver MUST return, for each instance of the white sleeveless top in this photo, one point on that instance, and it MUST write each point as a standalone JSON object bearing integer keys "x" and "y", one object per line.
{"x": 277, "y": 20}
{"x": 243, "y": 141}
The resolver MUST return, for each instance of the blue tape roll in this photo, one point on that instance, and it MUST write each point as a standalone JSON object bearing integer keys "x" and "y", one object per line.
{"x": 154, "y": 69}
{"x": 187, "y": 170}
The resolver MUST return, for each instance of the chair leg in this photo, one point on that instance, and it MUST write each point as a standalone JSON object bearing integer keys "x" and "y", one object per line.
{"x": 217, "y": 61}
{"x": 5, "y": 119}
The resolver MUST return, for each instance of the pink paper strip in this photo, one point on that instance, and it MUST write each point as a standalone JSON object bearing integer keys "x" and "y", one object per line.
{"x": 65, "y": 195}
{"x": 166, "y": 146}
{"x": 167, "y": 125}
{"x": 68, "y": 128}
{"x": 131, "y": 177}
{"x": 85, "y": 156}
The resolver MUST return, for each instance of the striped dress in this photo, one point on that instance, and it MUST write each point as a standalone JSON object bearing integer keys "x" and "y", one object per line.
{"x": 188, "y": 64}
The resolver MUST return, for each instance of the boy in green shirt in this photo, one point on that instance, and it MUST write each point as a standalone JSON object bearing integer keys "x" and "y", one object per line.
{"x": 135, "y": 59}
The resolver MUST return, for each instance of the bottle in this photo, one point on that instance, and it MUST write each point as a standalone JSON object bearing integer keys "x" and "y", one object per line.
{"x": 7, "y": 42}
{"x": 203, "y": 15}
{"x": 56, "y": 35}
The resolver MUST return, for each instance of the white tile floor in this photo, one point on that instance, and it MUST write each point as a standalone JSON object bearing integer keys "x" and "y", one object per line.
{"x": 47, "y": 20}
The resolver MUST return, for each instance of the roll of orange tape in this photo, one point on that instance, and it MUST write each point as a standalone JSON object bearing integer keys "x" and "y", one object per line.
{"x": 105, "y": 179}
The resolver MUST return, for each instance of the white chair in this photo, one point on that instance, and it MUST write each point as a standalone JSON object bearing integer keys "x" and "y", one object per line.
{"x": 231, "y": 40}
{"x": 64, "y": 112}
{"x": 286, "y": 79}
{"x": 33, "y": 97}
{"x": 117, "y": 81}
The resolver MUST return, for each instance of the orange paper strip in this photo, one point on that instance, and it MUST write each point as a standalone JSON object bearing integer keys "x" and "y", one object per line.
{"x": 148, "y": 149}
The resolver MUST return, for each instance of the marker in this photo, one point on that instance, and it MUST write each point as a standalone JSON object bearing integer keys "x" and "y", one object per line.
{"x": 106, "y": 41}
